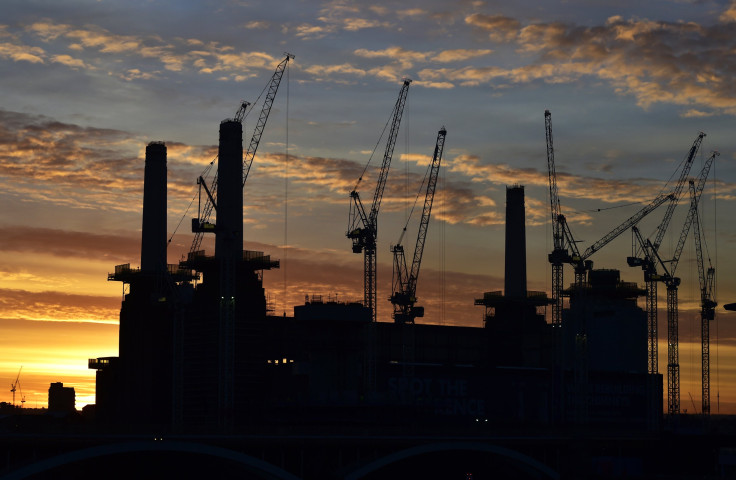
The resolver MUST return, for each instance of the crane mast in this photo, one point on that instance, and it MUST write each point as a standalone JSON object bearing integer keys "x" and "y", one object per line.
{"x": 202, "y": 224}
{"x": 706, "y": 279}
{"x": 651, "y": 259}
{"x": 673, "y": 282}
{"x": 362, "y": 226}
{"x": 404, "y": 281}
{"x": 651, "y": 277}
{"x": 560, "y": 230}
{"x": 645, "y": 255}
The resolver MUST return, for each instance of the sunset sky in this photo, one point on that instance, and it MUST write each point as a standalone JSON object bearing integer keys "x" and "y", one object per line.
{"x": 86, "y": 84}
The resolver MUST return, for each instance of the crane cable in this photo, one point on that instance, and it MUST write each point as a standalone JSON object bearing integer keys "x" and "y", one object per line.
{"x": 662, "y": 190}
{"x": 204, "y": 173}
{"x": 416, "y": 200}
{"x": 207, "y": 169}
{"x": 360, "y": 178}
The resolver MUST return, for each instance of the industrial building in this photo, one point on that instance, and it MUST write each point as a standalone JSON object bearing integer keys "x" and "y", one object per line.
{"x": 197, "y": 339}
{"x": 199, "y": 351}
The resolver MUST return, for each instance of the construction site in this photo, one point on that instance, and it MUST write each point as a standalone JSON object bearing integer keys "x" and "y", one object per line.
{"x": 569, "y": 378}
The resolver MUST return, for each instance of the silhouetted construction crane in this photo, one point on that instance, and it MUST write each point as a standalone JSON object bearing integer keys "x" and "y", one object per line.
{"x": 673, "y": 282}
{"x": 706, "y": 279}
{"x": 362, "y": 225}
{"x": 15, "y": 386}
{"x": 648, "y": 261}
{"x": 561, "y": 236}
{"x": 565, "y": 249}
{"x": 202, "y": 224}
{"x": 404, "y": 281}
{"x": 644, "y": 255}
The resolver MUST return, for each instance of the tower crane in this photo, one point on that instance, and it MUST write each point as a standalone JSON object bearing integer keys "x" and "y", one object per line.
{"x": 362, "y": 225}
{"x": 561, "y": 237}
{"x": 647, "y": 260}
{"x": 646, "y": 255}
{"x": 706, "y": 278}
{"x": 15, "y": 386}
{"x": 565, "y": 246}
{"x": 404, "y": 280}
{"x": 202, "y": 224}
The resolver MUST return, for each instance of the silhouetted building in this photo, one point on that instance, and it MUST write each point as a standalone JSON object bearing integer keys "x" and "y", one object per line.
{"x": 137, "y": 385}
{"x": 605, "y": 311}
{"x": 153, "y": 233}
{"x": 107, "y": 392}
{"x": 199, "y": 353}
{"x": 61, "y": 398}
{"x": 517, "y": 315}
{"x": 515, "y": 256}
{"x": 315, "y": 308}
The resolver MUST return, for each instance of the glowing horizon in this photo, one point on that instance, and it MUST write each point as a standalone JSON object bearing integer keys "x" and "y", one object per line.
{"x": 629, "y": 86}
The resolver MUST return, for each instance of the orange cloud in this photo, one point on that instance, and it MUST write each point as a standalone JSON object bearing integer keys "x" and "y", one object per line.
{"x": 55, "y": 162}
{"x": 681, "y": 63}
{"x": 57, "y": 306}
{"x": 69, "y": 61}
{"x": 310, "y": 32}
{"x": 22, "y": 53}
{"x": 407, "y": 58}
{"x": 459, "y": 55}
{"x": 325, "y": 72}
{"x": 500, "y": 28}
{"x": 729, "y": 15}
{"x": 67, "y": 243}
{"x": 206, "y": 58}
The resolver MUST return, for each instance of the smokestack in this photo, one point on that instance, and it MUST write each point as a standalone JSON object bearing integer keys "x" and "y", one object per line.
{"x": 229, "y": 235}
{"x": 153, "y": 236}
{"x": 515, "y": 274}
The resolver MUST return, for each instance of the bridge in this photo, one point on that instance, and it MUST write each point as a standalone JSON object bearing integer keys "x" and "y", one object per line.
{"x": 527, "y": 455}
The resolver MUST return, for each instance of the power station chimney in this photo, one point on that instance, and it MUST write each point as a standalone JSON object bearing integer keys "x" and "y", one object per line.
{"x": 515, "y": 273}
{"x": 229, "y": 234}
{"x": 153, "y": 236}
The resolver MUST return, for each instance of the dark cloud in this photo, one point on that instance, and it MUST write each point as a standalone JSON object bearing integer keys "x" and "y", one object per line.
{"x": 52, "y": 305}
{"x": 88, "y": 167}
{"x": 334, "y": 274}
{"x": 65, "y": 243}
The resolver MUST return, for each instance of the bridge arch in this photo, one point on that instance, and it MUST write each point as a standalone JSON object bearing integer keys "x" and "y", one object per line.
{"x": 248, "y": 463}
{"x": 532, "y": 467}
